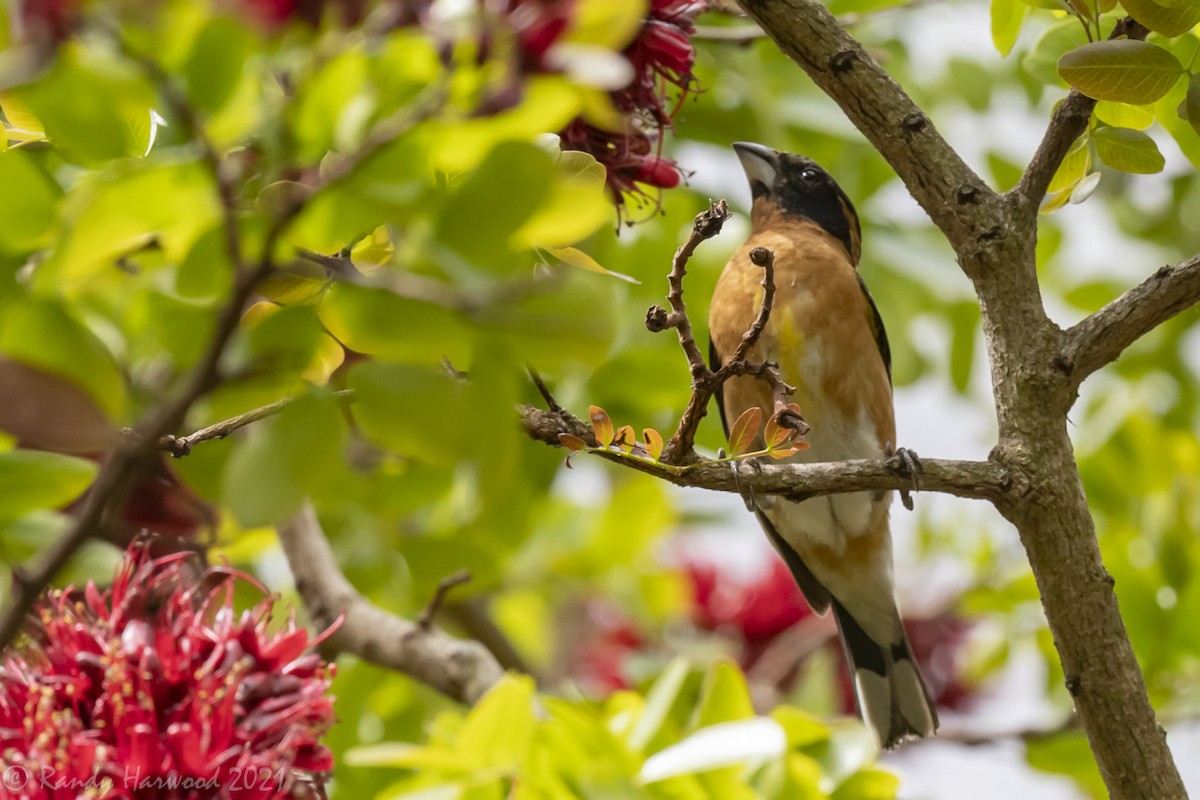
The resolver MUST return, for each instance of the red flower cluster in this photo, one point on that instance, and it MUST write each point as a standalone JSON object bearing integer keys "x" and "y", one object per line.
{"x": 662, "y": 57}
{"x": 157, "y": 689}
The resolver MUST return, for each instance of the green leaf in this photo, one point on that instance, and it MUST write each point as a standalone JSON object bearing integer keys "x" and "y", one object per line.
{"x": 130, "y": 206}
{"x": 214, "y": 66}
{"x": 495, "y": 200}
{"x": 575, "y": 206}
{"x": 1041, "y": 62}
{"x": 1073, "y": 167}
{"x": 1067, "y": 755}
{"x": 659, "y": 700}
{"x": 43, "y": 333}
{"x": 412, "y": 410}
{"x": 1123, "y": 115}
{"x": 1192, "y": 102}
{"x": 32, "y": 479}
{"x": 498, "y": 731}
{"x": 605, "y": 23}
{"x": 27, "y": 202}
{"x": 1128, "y": 150}
{"x": 753, "y": 740}
{"x": 286, "y": 458}
{"x": 380, "y": 323}
{"x": 1122, "y": 70}
{"x": 868, "y": 784}
{"x": 332, "y": 108}
{"x": 86, "y": 103}
{"x": 1007, "y": 16}
{"x": 22, "y": 124}
{"x": 1167, "y": 20}
{"x": 724, "y": 697}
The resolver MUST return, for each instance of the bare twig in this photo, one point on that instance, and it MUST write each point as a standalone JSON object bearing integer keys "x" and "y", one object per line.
{"x": 705, "y": 382}
{"x": 1068, "y": 123}
{"x": 425, "y": 621}
{"x": 181, "y": 446}
{"x": 544, "y": 391}
{"x": 462, "y": 670}
{"x": 707, "y": 225}
{"x": 1102, "y": 337}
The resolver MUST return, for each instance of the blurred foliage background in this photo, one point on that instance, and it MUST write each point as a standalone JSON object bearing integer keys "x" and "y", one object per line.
{"x": 455, "y": 245}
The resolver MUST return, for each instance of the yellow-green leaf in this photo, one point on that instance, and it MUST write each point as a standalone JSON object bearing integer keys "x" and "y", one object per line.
{"x": 23, "y": 125}
{"x": 1124, "y": 115}
{"x": 32, "y": 480}
{"x": 1167, "y": 20}
{"x": 605, "y": 23}
{"x": 1128, "y": 150}
{"x": 744, "y": 430}
{"x": 602, "y": 426}
{"x": 1007, "y": 16}
{"x": 1122, "y": 70}
{"x": 1073, "y": 167}
{"x": 498, "y": 731}
{"x": 577, "y": 258}
{"x": 724, "y": 696}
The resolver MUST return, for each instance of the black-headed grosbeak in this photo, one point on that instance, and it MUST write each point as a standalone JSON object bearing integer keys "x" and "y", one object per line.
{"x": 828, "y": 339}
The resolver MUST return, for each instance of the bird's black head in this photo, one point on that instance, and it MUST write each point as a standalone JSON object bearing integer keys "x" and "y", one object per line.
{"x": 800, "y": 188}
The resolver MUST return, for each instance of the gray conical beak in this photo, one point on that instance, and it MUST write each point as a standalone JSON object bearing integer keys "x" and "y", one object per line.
{"x": 760, "y": 163}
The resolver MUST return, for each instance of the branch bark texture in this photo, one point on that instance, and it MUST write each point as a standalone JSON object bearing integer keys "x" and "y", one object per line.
{"x": 461, "y": 669}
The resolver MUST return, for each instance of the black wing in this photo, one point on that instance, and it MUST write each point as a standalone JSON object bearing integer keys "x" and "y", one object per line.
{"x": 876, "y": 321}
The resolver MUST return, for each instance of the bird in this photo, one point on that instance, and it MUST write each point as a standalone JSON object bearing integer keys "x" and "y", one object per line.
{"x": 826, "y": 335}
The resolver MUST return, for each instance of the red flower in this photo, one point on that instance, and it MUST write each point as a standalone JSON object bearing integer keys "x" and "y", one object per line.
{"x": 757, "y": 609}
{"x": 157, "y": 689}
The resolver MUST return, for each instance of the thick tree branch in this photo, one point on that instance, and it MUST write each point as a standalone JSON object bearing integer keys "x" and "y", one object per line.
{"x": 974, "y": 479}
{"x": 462, "y": 670}
{"x": 1102, "y": 337}
{"x": 1068, "y": 123}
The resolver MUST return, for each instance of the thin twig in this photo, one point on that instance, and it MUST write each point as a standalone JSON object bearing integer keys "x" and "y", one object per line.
{"x": 544, "y": 391}
{"x": 1068, "y": 123}
{"x": 706, "y": 225}
{"x": 425, "y": 621}
{"x": 181, "y": 446}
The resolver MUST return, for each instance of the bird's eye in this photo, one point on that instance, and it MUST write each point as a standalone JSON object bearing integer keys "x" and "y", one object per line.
{"x": 809, "y": 175}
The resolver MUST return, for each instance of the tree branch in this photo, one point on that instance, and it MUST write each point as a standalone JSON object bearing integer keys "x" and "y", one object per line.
{"x": 462, "y": 670}
{"x": 181, "y": 446}
{"x": 1101, "y": 338}
{"x": 1068, "y": 123}
{"x": 973, "y": 479}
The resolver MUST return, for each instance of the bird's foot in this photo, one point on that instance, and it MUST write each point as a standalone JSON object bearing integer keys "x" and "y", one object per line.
{"x": 747, "y": 492}
{"x": 905, "y": 464}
